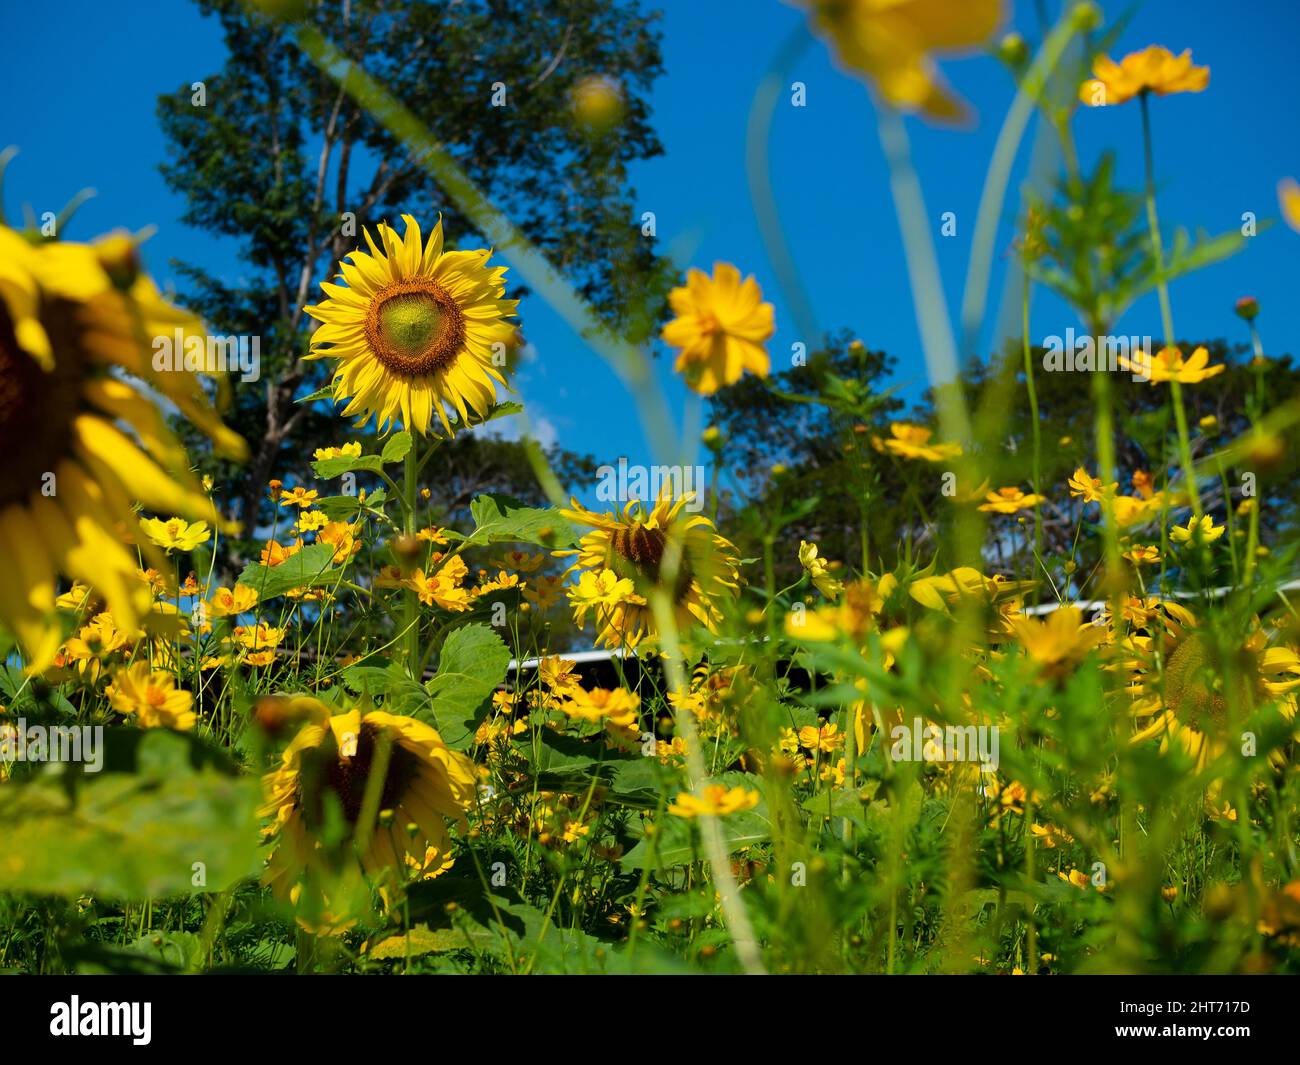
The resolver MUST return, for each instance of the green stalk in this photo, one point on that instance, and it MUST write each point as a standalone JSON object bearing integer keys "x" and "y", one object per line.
{"x": 410, "y": 604}
{"x": 1166, "y": 315}
{"x": 1033, "y": 413}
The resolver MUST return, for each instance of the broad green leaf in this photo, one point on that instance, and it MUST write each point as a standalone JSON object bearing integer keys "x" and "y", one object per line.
{"x": 500, "y": 519}
{"x": 473, "y": 661}
{"x": 312, "y": 567}
{"x": 397, "y": 447}
{"x": 327, "y": 469}
{"x": 131, "y": 835}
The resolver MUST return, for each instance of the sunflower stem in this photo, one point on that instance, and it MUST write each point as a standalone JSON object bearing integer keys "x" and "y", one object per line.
{"x": 410, "y": 605}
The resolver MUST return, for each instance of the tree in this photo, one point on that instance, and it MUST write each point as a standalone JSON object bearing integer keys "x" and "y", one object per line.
{"x": 272, "y": 154}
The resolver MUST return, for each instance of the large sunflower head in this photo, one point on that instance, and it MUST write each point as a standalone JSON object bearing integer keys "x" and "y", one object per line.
{"x": 326, "y": 771}
{"x": 83, "y": 441}
{"x": 638, "y": 548}
{"x": 415, "y": 329}
{"x": 1187, "y": 690}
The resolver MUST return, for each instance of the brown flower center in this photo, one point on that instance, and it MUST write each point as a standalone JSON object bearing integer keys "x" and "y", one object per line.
{"x": 640, "y": 553}
{"x": 1194, "y": 688}
{"x": 414, "y": 327}
{"x": 346, "y": 777}
{"x": 36, "y": 407}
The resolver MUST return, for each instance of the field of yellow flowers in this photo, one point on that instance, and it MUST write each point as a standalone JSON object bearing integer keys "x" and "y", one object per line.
{"x": 1047, "y": 726}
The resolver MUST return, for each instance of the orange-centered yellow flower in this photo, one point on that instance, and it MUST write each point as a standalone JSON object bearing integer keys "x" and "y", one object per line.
{"x": 151, "y": 698}
{"x": 1154, "y": 69}
{"x": 716, "y": 802}
{"x": 174, "y": 534}
{"x": 720, "y": 330}
{"x": 1169, "y": 365}
{"x": 913, "y": 442}
{"x": 1010, "y": 500}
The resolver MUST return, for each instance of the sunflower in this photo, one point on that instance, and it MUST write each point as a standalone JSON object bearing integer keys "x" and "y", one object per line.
{"x": 891, "y": 44}
{"x": 415, "y": 328}
{"x": 1187, "y": 702}
{"x": 329, "y": 763}
{"x": 626, "y": 550}
{"x": 82, "y": 443}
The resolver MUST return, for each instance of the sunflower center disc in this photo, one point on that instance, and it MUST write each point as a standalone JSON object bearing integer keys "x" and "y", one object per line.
{"x": 414, "y": 328}
{"x": 36, "y": 407}
{"x": 410, "y": 323}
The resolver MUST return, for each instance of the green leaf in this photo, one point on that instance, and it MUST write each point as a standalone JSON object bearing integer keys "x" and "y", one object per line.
{"x": 311, "y": 567}
{"x": 500, "y": 519}
{"x": 131, "y": 835}
{"x": 327, "y": 469}
{"x": 472, "y": 663}
{"x": 397, "y": 447}
{"x": 399, "y": 691}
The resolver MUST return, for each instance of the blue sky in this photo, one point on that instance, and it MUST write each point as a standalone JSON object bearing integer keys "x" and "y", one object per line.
{"x": 83, "y": 88}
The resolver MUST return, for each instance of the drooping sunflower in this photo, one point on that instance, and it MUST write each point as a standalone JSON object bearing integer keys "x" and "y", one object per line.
{"x": 83, "y": 444}
{"x": 1188, "y": 702}
{"x": 632, "y": 545}
{"x": 414, "y": 329}
{"x": 330, "y": 762}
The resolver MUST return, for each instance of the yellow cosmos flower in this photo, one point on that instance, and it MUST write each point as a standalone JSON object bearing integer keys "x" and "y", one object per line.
{"x": 415, "y": 329}
{"x": 891, "y": 44}
{"x": 818, "y": 571}
{"x": 443, "y": 588}
{"x": 176, "y": 534}
{"x": 1088, "y": 488}
{"x": 1058, "y": 642}
{"x": 616, "y": 706}
{"x": 227, "y": 602}
{"x": 352, "y": 449}
{"x": 311, "y": 521}
{"x": 1169, "y": 365}
{"x": 913, "y": 442}
{"x": 558, "y": 674}
{"x": 1010, "y": 501}
{"x": 717, "y": 801}
{"x": 299, "y": 497}
{"x": 152, "y": 698}
{"x": 342, "y": 536}
{"x": 826, "y": 738}
{"x": 1198, "y": 530}
{"x": 328, "y": 766}
{"x": 721, "y": 326}
{"x": 543, "y": 592}
{"x": 1154, "y": 69}
{"x": 521, "y": 561}
{"x": 1143, "y": 555}
{"x": 632, "y": 546}
{"x": 83, "y": 443}
{"x": 1288, "y": 200}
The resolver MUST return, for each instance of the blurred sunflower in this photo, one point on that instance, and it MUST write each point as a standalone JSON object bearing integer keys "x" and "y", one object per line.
{"x": 330, "y": 761}
{"x": 83, "y": 445}
{"x": 415, "y": 328}
{"x": 1188, "y": 702}
{"x": 632, "y": 546}
{"x": 890, "y": 42}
